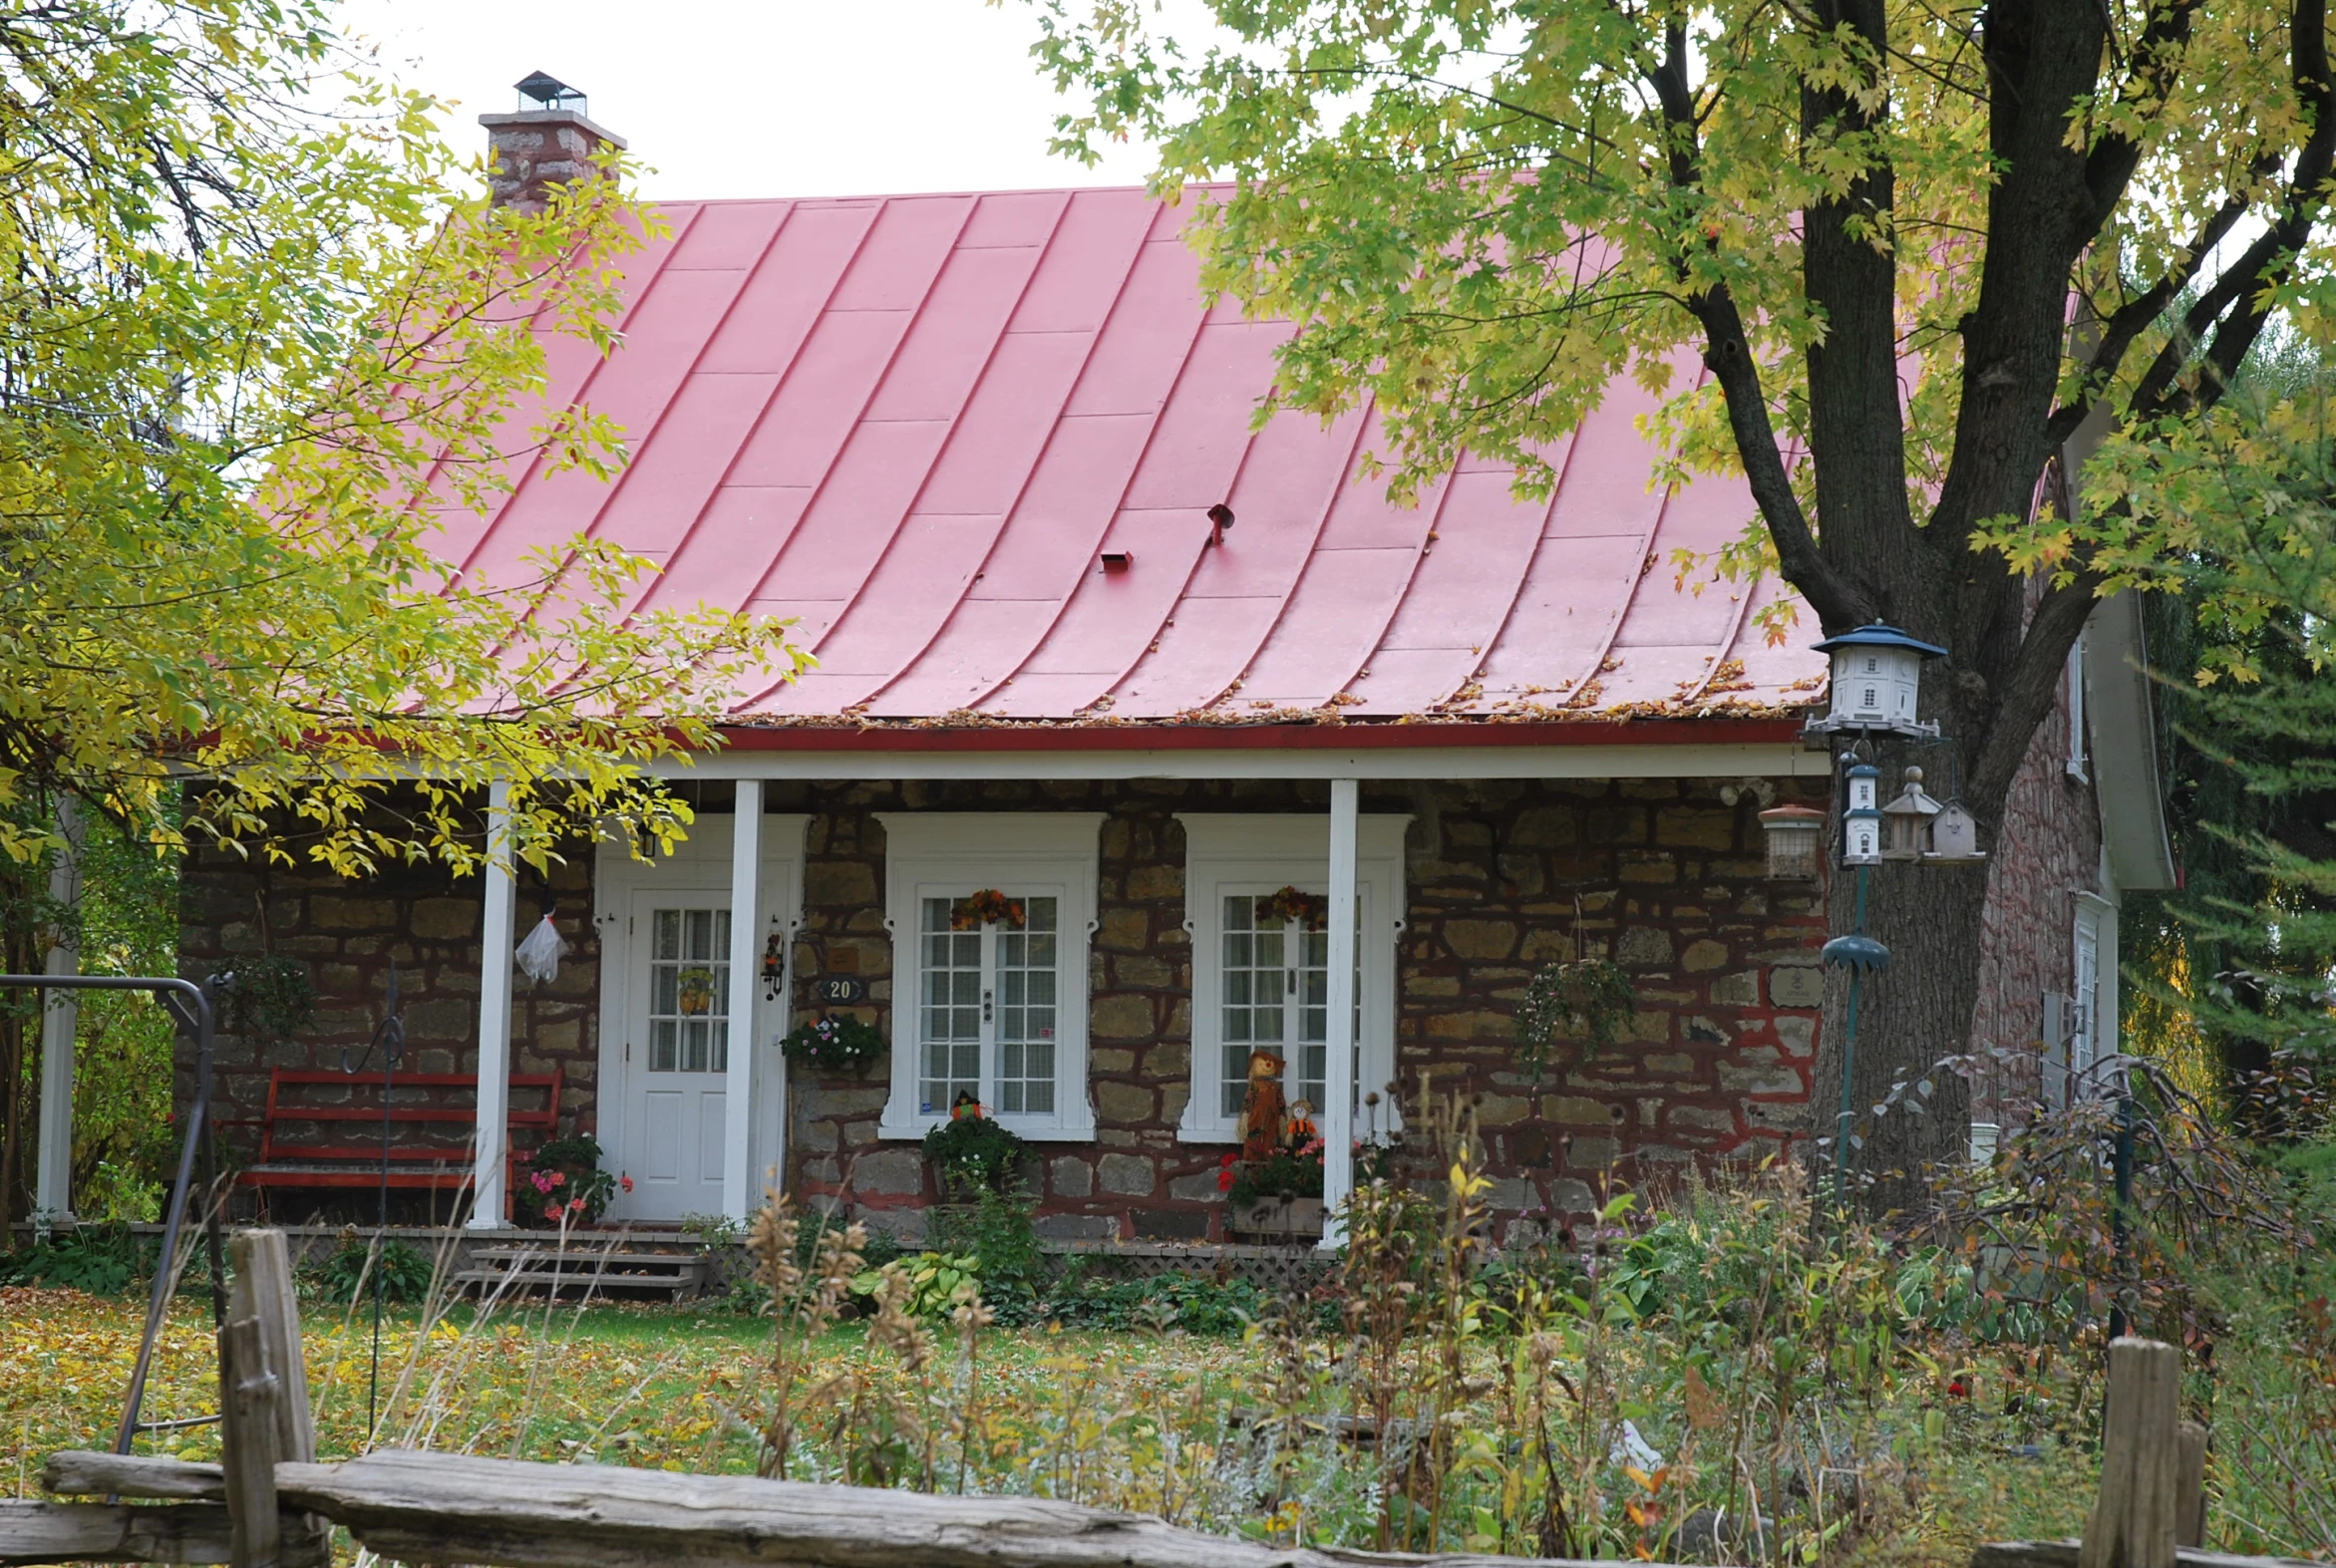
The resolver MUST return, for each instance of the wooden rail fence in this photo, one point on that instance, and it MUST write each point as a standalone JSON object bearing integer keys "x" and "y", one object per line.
{"x": 270, "y": 1505}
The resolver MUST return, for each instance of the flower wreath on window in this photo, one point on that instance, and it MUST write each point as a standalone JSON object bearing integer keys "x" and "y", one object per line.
{"x": 1312, "y": 910}
{"x": 987, "y": 907}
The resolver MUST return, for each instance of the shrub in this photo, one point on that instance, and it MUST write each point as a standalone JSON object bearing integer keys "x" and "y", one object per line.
{"x": 1191, "y": 1303}
{"x": 1000, "y": 1230}
{"x": 933, "y": 1277}
{"x": 402, "y": 1271}
{"x": 104, "y": 1260}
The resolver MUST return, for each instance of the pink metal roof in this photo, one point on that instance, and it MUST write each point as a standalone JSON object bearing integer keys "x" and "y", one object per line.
{"x": 915, "y": 422}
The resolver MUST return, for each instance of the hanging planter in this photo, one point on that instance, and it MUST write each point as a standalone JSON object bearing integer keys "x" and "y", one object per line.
{"x": 987, "y": 907}
{"x": 1312, "y": 910}
{"x": 1584, "y": 999}
{"x": 834, "y": 1043}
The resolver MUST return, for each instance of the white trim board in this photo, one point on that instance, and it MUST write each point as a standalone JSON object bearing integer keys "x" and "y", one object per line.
{"x": 1747, "y": 760}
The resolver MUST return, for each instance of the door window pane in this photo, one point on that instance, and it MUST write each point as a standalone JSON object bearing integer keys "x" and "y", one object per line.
{"x": 949, "y": 1010}
{"x": 1255, "y": 982}
{"x": 689, "y": 990}
{"x": 1026, "y": 1010}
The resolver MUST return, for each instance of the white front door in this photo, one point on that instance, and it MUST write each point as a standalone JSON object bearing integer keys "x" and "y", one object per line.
{"x": 675, "y": 1055}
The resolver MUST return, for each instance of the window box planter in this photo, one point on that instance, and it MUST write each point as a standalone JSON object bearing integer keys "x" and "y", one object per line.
{"x": 1278, "y": 1220}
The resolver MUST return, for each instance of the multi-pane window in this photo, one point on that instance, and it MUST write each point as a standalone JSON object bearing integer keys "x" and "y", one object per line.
{"x": 991, "y": 914}
{"x": 689, "y": 991}
{"x": 1255, "y": 889}
{"x": 988, "y": 992}
{"x": 1274, "y": 991}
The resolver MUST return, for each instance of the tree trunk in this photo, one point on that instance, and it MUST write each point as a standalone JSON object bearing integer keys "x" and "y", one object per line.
{"x": 1913, "y": 1020}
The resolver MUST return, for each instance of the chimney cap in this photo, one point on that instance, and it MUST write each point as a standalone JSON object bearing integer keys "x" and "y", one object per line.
{"x": 544, "y": 90}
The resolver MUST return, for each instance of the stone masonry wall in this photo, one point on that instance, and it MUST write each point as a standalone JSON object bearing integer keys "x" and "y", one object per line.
{"x": 348, "y": 933}
{"x": 1670, "y": 879}
{"x": 2047, "y": 847}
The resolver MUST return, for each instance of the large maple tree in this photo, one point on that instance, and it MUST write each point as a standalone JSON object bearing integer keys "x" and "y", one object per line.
{"x": 1915, "y": 248}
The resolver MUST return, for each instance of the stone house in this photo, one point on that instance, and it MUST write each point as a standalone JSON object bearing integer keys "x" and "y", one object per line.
{"x": 1088, "y": 640}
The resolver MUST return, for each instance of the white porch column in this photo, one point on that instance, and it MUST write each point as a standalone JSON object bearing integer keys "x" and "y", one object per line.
{"x": 746, "y": 930}
{"x": 495, "y": 1017}
{"x": 52, "y": 1181}
{"x": 1338, "y": 1071}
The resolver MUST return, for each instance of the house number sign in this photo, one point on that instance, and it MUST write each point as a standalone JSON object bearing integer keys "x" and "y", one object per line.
{"x": 838, "y": 989}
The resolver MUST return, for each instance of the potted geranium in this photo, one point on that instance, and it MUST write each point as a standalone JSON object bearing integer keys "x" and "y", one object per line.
{"x": 1279, "y": 1195}
{"x": 562, "y": 1183}
{"x": 971, "y": 1151}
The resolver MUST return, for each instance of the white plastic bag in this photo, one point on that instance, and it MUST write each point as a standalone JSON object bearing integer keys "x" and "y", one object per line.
{"x": 539, "y": 956}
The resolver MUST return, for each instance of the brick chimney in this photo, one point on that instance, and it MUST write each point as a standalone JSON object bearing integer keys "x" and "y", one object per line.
{"x": 537, "y": 148}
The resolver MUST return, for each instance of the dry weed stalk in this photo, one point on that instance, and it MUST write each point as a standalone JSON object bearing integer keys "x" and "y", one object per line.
{"x": 803, "y": 1306}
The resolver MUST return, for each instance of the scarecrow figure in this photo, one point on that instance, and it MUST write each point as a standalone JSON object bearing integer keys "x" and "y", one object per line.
{"x": 1261, "y": 1129}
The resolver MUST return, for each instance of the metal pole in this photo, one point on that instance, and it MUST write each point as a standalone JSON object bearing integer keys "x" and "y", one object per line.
{"x": 2123, "y": 1168}
{"x": 1848, "y": 1061}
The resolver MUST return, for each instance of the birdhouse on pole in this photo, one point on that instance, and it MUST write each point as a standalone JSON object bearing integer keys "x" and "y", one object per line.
{"x": 1862, "y": 823}
{"x": 1876, "y": 682}
{"x": 1906, "y": 821}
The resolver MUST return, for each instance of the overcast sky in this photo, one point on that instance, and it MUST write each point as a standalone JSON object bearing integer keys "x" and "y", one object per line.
{"x": 760, "y": 97}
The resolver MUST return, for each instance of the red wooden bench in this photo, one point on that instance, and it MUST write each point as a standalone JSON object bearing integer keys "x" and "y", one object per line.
{"x": 337, "y": 1152}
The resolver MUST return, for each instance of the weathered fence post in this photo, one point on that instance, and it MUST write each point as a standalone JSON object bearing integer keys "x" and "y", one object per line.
{"x": 248, "y": 1394}
{"x": 262, "y": 1290}
{"x": 263, "y": 1298}
{"x": 2190, "y": 1479}
{"x": 2133, "y": 1521}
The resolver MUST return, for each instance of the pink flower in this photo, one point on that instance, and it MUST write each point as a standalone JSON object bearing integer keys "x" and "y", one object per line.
{"x": 543, "y": 1182}
{"x": 551, "y": 1212}
{"x": 625, "y": 1183}
{"x": 575, "y": 1205}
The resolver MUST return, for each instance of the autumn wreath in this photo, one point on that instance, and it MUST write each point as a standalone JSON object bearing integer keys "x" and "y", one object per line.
{"x": 987, "y": 907}
{"x": 1312, "y": 910}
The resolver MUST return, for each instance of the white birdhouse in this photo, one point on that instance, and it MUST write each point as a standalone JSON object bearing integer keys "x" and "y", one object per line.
{"x": 1954, "y": 834}
{"x": 1862, "y": 823}
{"x": 1876, "y": 682}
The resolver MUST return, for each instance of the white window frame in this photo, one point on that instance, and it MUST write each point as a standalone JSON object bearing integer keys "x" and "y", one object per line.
{"x": 1225, "y": 852}
{"x": 2079, "y": 758}
{"x": 936, "y": 853}
{"x": 2093, "y": 1007}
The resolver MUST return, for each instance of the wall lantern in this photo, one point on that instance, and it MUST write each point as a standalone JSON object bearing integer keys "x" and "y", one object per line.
{"x": 1906, "y": 831}
{"x": 1954, "y": 834}
{"x": 1876, "y": 681}
{"x": 1794, "y": 834}
{"x": 1862, "y": 823}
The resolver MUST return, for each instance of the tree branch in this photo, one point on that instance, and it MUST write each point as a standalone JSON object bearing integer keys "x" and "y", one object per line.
{"x": 2243, "y": 289}
{"x": 2032, "y": 688}
{"x": 1728, "y": 356}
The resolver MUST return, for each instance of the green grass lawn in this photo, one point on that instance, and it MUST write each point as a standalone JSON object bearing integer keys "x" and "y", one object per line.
{"x": 1123, "y": 1420}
